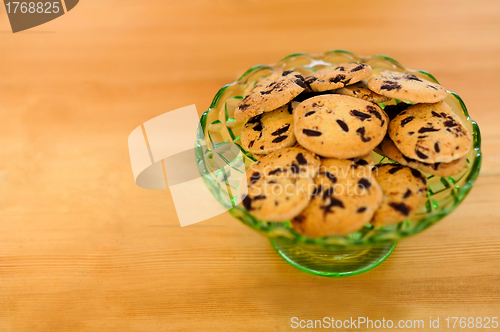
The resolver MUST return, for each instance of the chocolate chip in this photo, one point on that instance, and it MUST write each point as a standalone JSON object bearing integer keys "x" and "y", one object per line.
{"x": 395, "y": 169}
{"x": 361, "y": 209}
{"x": 243, "y": 106}
{"x": 280, "y": 139}
{"x": 341, "y": 68}
{"x": 390, "y": 86}
{"x": 407, "y": 193}
{"x": 360, "y": 115}
{"x": 361, "y": 162}
{"x": 334, "y": 202}
{"x": 436, "y": 147}
{"x": 310, "y": 79}
{"x": 295, "y": 168}
{"x": 421, "y": 155}
{"x": 374, "y": 111}
{"x": 412, "y": 77}
{"x": 276, "y": 171}
{"x": 256, "y": 198}
{"x": 300, "y": 83}
{"x": 327, "y": 193}
{"x": 361, "y": 66}
{"x": 364, "y": 183}
{"x": 281, "y": 130}
{"x": 411, "y": 133}
{"x": 258, "y": 127}
{"x": 422, "y": 136}
{"x": 254, "y": 177}
{"x": 337, "y": 78}
{"x": 426, "y": 130}
{"x": 450, "y": 123}
{"x": 290, "y": 108}
{"x": 361, "y": 132}
{"x": 418, "y": 175}
{"x": 286, "y": 72}
{"x": 309, "y": 113}
{"x": 255, "y": 119}
{"x": 401, "y": 207}
{"x": 432, "y": 87}
{"x": 310, "y": 132}
{"x": 330, "y": 176}
{"x": 405, "y": 121}
{"x": 343, "y": 125}
{"x": 247, "y": 203}
{"x": 301, "y": 159}
{"x": 251, "y": 143}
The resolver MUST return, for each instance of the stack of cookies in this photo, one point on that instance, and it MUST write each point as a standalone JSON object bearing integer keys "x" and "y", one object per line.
{"x": 313, "y": 139}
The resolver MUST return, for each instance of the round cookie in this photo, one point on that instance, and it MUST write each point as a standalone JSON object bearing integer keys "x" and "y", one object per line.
{"x": 406, "y": 86}
{"x": 331, "y": 78}
{"x": 280, "y": 184}
{"x": 272, "y": 92}
{"x": 440, "y": 169}
{"x": 293, "y": 161}
{"x": 430, "y": 133}
{"x": 339, "y": 126}
{"x": 269, "y": 131}
{"x": 277, "y": 198}
{"x": 360, "y": 90}
{"x": 344, "y": 200}
{"x": 405, "y": 190}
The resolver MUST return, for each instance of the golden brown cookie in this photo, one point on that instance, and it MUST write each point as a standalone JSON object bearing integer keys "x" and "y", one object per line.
{"x": 430, "y": 133}
{"x": 344, "y": 200}
{"x": 280, "y": 184}
{"x": 440, "y": 169}
{"x": 405, "y": 190}
{"x": 339, "y": 126}
{"x": 343, "y": 74}
{"x": 269, "y": 131}
{"x": 407, "y": 87}
{"x": 272, "y": 92}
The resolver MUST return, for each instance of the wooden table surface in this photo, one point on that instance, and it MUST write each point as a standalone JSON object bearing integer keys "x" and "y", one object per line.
{"x": 82, "y": 248}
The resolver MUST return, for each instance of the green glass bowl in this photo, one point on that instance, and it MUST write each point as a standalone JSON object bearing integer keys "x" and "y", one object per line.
{"x": 332, "y": 255}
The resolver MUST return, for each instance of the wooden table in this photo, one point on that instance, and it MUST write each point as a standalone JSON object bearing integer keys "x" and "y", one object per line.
{"x": 82, "y": 248}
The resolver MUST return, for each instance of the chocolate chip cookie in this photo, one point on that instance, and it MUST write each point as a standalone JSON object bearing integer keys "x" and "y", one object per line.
{"x": 339, "y": 126}
{"x": 331, "y": 78}
{"x": 404, "y": 189}
{"x": 344, "y": 200}
{"x": 407, "y": 87}
{"x": 430, "y": 133}
{"x": 273, "y": 92}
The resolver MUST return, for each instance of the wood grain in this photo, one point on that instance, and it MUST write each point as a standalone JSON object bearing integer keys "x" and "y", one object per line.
{"x": 84, "y": 249}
